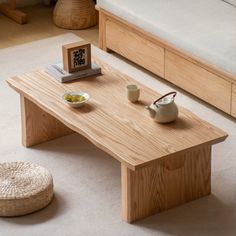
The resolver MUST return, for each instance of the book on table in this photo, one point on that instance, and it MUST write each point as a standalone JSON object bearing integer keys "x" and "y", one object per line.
{"x": 57, "y": 72}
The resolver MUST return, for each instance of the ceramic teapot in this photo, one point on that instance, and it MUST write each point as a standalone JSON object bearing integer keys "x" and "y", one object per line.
{"x": 164, "y": 109}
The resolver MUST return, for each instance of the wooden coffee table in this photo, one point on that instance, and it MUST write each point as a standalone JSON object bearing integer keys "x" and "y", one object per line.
{"x": 162, "y": 166}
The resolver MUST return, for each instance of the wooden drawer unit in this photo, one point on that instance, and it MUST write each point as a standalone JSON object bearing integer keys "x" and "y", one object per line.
{"x": 138, "y": 49}
{"x": 233, "y": 108}
{"x": 198, "y": 81}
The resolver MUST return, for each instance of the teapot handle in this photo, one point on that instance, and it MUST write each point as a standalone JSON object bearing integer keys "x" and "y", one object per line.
{"x": 174, "y": 94}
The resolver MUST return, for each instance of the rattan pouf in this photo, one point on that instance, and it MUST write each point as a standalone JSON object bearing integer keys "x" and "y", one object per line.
{"x": 75, "y": 14}
{"x": 24, "y": 188}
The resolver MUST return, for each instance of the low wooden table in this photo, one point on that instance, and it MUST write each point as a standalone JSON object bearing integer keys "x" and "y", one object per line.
{"x": 162, "y": 166}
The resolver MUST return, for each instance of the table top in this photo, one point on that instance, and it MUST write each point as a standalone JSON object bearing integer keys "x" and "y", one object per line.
{"x": 123, "y": 129}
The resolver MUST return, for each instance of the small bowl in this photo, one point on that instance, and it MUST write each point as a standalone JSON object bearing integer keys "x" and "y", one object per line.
{"x": 76, "y": 104}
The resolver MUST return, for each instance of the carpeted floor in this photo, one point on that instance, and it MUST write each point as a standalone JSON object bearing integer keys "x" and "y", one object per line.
{"x": 87, "y": 180}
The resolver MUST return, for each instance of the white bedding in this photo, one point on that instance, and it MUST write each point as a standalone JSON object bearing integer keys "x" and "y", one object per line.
{"x": 204, "y": 28}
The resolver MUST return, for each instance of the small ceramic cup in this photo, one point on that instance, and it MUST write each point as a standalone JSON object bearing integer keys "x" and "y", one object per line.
{"x": 133, "y": 92}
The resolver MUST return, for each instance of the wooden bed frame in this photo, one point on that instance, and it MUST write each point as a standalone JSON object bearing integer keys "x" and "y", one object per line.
{"x": 199, "y": 78}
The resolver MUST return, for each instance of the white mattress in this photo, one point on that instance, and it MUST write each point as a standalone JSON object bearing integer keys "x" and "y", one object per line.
{"x": 204, "y": 28}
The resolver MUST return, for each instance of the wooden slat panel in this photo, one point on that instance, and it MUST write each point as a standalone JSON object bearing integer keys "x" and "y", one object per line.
{"x": 136, "y": 48}
{"x": 233, "y": 108}
{"x": 198, "y": 81}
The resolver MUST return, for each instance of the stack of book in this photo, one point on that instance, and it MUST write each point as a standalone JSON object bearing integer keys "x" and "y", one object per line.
{"x": 57, "y": 72}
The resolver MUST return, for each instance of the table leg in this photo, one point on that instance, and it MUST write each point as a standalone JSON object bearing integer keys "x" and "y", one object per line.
{"x": 167, "y": 183}
{"x": 38, "y": 126}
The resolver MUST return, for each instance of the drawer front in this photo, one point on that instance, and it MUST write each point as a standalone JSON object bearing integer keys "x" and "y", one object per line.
{"x": 233, "y": 109}
{"x": 198, "y": 81}
{"x": 134, "y": 47}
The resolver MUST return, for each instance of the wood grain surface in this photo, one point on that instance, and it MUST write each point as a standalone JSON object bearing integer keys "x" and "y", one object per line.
{"x": 123, "y": 129}
{"x": 198, "y": 81}
{"x": 164, "y": 185}
{"x": 102, "y": 31}
{"x": 233, "y": 107}
{"x": 38, "y": 126}
{"x": 135, "y": 47}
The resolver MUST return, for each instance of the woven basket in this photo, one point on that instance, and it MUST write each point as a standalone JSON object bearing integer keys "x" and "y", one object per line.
{"x": 75, "y": 14}
{"x": 24, "y": 188}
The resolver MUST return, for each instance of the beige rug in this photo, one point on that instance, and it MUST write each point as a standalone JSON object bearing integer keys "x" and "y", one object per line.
{"x": 87, "y": 180}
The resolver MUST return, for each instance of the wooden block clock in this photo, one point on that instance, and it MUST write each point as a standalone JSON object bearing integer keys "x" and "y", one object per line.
{"x": 76, "y": 56}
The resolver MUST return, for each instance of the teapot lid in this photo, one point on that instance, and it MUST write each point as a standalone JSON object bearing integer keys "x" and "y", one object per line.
{"x": 164, "y": 100}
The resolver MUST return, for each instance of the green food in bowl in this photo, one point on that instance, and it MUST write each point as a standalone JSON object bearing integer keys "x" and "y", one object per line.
{"x": 74, "y": 98}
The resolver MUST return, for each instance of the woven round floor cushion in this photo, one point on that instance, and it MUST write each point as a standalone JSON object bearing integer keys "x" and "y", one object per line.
{"x": 24, "y": 188}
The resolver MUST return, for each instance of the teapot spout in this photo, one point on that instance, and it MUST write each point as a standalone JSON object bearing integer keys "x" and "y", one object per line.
{"x": 151, "y": 111}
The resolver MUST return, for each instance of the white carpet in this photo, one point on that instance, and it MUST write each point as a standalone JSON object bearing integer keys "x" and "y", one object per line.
{"x": 87, "y": 180}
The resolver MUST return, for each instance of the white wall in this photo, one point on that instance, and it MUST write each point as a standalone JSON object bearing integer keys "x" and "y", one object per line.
{"x": 24, "y": 2}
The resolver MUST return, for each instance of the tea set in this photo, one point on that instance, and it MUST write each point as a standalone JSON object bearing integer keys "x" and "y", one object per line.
{"x": 162, "y": 110}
